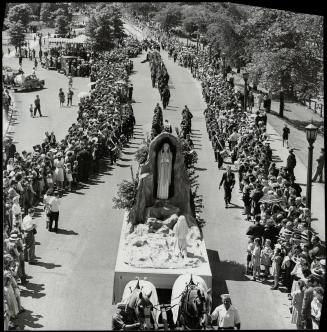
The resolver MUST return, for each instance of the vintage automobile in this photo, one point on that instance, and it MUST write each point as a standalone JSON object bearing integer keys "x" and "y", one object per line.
{"x": 27, "y": 82}
{"x": 8, "y": 76}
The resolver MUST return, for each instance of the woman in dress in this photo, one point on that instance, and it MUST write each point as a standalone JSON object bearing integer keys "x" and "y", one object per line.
{"x": 16, "y": 210}
{"x": 297, "y": 299}
{"x": 59, "y": 171}
{"x": 256, "y": 253}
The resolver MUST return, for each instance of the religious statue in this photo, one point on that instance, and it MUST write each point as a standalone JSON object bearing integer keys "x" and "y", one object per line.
{"x": 181, "y": 230}
{"x": 164, "y": 172}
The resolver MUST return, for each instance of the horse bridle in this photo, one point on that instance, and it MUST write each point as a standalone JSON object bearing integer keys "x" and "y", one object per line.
{"x": 200, "y": 301}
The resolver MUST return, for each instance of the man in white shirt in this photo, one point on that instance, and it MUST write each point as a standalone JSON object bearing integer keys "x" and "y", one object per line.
{"x": 54, "y": 203}
{"x": 227, "y": 315}
{"x": 29, "y": 228}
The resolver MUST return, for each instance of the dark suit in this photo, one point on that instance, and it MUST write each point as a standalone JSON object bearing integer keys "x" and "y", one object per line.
{"x": 229, "y": 181}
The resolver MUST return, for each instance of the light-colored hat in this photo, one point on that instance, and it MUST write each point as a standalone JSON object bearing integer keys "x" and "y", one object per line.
{"x": 121, "y": 305}
{"x": 13, "y": 237}
{"x": 225, "y": 296}
{"x": 322, "y": 262}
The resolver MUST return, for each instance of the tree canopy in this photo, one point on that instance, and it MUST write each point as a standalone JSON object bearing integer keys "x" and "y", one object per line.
{"x": 16, "y": 34}
{"x": 103, "y": 27}
{"x": 278, "y": 48}
{"x": 20, "y": 13}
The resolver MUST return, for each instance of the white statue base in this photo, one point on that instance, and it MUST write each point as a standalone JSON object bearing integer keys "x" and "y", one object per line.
{"x": 153, "y": 258}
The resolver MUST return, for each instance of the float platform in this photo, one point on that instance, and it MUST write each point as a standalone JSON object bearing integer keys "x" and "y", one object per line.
{"x": 161, "y": 278}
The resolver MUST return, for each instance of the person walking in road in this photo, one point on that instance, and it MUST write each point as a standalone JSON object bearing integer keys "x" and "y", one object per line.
{"x": 228, "y": 179}
{"x": 37, "y": 107}
{"x": 35, "y": 63}
{"x": 61, "y": 97}
{"x": 29, "y": 228}
{"x": 291, "y": 163}
{"x": 54, "y": 203}
{"x": 70, "y": 94}
{"x": 20, "y": 60}
{"x": 286, "y": 132}
{"x": 226, "y": 314}
{"x": 320, "y": 166}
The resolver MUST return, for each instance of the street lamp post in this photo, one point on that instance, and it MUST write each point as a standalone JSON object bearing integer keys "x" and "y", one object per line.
{"x": 245, "y": 77}
{"x": 311, "y": 132}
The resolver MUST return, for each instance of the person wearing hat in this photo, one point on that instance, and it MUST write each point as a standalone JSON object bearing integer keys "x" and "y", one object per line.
{"x": 29, "y": 228}
{"x": 10, "y": 150}
{"x": 53, "y": 203}
{"x": 226, "y": 314}
{"x": 119, "y": 320}
{"x": 320, "y": 166}
{"x": 291, "y": 163}
{"x": 286, "y": 132}
{"x": 59, "y": 173}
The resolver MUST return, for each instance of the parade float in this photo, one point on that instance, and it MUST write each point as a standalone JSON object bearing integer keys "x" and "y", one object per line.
{"x": 160, "y": 237}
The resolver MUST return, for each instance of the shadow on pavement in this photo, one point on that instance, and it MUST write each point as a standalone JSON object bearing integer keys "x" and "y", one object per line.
{"x": 27, "y": 320}
{"x": 200, "y": 169}
{"x": 120, "y": 165}
{"x": 235, "y": 206}
{"x": 48, "y": 266}
{"x": 222, "y": 271}
{"x": 32, "y": 290}
{"x": 65, "y": 232}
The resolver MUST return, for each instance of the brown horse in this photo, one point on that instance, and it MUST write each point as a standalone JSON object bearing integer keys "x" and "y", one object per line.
{"x": 194, "y": 302}
{"x": 140, "y": 297}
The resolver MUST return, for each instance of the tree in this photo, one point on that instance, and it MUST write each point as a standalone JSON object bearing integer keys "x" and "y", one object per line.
{"x": 284, "y": 50}
{"x": 20, "y": 13}
{"x": 170, "y": 16}
{"x": 62, "y": 25}
{"x": 16, "y": 34}
{"x": 103, "y": 28}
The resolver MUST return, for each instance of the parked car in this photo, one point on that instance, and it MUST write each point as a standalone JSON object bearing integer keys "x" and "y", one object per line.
{"x": 27, "y": 82}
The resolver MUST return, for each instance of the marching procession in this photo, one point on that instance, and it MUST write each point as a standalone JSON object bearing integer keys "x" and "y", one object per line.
{"x": 202, "y": 144}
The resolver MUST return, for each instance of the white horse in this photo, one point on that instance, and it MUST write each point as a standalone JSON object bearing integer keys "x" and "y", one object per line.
{"x": 191, "y": 301}
{"x": 138, "y": 295}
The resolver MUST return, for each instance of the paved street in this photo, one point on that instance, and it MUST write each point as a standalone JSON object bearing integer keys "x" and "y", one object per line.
{"x": 55, "y": 118}
{"x": 74, "y": 277}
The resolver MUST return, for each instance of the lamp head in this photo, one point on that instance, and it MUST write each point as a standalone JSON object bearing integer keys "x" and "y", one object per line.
{"x": 311, "y": 132}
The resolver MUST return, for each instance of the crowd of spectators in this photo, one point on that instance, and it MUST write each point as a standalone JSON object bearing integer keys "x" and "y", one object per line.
{"x": 282, "y": 242}
{"x": 105, "y": 123}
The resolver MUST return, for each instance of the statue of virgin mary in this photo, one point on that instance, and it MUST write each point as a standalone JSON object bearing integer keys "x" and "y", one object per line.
{"x": 164, "y": 172}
